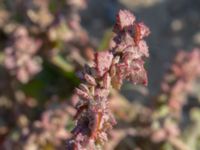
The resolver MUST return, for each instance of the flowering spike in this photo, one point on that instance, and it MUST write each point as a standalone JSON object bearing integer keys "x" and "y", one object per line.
{"x": 123, "y": 61}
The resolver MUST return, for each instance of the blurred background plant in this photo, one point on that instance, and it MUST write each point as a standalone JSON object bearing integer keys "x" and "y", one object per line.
{"x": 43, "y": 45}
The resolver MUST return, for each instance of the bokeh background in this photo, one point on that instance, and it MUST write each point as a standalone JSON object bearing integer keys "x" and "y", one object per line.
{"x": 45, "y": 43}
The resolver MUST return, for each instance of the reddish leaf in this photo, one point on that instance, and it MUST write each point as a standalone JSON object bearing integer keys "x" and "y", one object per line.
{"x": 90, "y": 79}
{"x": 103, "y": 62}
{"x": 82, "y": 94}
{"x": 124, "y": 19}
